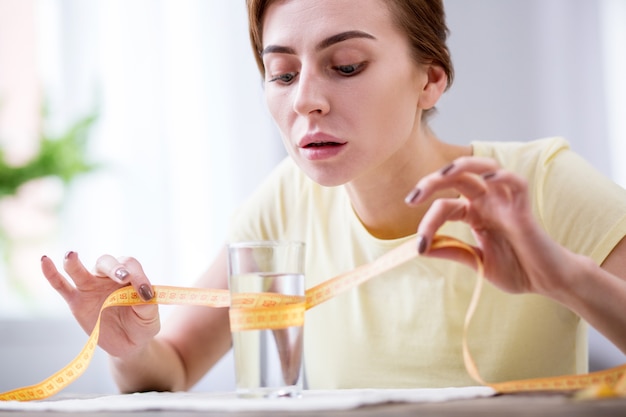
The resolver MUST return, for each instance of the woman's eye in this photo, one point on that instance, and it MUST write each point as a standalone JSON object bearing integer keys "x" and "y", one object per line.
{"x": 285, "y": 78}
{"x": 351, "y": 69}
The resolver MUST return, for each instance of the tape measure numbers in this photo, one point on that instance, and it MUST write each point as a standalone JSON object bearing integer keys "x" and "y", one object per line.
{"x": 274, "y": 311}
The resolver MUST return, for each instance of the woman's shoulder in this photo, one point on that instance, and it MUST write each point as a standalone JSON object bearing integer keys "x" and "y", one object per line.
{"x": 518, "y": 155}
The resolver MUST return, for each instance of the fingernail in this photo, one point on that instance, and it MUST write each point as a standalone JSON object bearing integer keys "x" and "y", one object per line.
{"x": 446, "y": 169}
{"x": 415, "y": 192}
{"x": 43, "y": 257}
{"x": 421, "y": 244}
{"x": 68, "y": 254}
{"x": 145, "y": 292}
{"x": 489, "y": 175}
{"x": 121, "y": 274}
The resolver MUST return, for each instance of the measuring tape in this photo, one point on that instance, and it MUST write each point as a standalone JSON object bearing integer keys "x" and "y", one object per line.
{"x": 274, "y": 311}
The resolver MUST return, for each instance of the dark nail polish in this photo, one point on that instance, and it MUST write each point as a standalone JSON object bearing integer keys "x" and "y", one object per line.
{"x": 421, "y": 244}
{"x": 68, "y": 254}
{"x": 145, "y": 292}
{"x": 121, "y": 274}
{"x": 415, "y": 192}
{"x": 446, "y": 169}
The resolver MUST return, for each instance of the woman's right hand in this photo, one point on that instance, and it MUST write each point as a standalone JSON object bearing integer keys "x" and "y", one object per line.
{"x": 123, "y": 330}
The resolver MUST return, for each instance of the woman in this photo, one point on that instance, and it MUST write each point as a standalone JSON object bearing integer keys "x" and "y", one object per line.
{"x": 350, "y": 86}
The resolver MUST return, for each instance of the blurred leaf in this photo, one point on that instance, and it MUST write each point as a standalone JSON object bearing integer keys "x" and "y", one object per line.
{"x": 63, "y": 157}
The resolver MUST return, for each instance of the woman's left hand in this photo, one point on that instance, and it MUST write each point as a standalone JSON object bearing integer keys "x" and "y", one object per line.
{"x": 517, "y": 254}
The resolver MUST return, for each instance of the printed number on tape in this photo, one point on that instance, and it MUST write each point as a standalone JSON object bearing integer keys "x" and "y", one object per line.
{"x": 273, "y": 311}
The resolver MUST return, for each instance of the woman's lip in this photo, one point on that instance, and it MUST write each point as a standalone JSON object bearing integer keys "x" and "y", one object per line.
{"x": 319, "y": 139}
{"x": 319, "y": 146}
{"x": 322, "y": 151}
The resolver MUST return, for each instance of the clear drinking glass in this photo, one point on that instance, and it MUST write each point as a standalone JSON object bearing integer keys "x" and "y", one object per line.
{"x": 266, "y": 281}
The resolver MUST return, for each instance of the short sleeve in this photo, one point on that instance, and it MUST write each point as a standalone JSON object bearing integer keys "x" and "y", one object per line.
{"x": 579, "y": 206}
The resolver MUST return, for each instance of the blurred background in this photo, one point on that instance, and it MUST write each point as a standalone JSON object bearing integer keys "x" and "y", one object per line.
{"x": 150, "y": 115}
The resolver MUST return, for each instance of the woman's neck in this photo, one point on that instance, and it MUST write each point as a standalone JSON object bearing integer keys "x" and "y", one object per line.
{"x": 378, "y": 200}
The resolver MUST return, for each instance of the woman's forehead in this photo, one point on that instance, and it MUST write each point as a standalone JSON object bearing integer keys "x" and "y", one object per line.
{"x": 293, "y": 21}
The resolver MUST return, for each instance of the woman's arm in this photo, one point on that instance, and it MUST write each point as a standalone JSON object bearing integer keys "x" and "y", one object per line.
{"x": 191, "y": 341}
{"x": 599, "y": 295}
{"x": 198, "y": 336}
{"x": 144, "y": 357}
{"x": 518, "y": 255}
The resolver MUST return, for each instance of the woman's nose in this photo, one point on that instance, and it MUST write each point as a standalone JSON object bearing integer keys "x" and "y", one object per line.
{"x": 310, "y": 96}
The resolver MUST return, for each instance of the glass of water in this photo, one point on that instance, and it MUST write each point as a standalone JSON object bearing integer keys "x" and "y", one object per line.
{"x": 266, "y": 281}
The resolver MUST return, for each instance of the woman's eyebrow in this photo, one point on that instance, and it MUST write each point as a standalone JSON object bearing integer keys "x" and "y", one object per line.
{"x": 331, "y": 40}
{"x": 343, "y": 36}
{"x": 277, "y": 49}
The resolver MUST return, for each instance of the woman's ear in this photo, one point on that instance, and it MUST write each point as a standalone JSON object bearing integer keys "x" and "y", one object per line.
{"x": 436, "y": 84}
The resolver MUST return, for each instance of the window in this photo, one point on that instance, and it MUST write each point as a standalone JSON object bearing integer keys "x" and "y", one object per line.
{"x": 182, "y": 134}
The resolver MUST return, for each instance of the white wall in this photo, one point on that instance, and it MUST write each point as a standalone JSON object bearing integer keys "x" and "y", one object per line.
{"x": 525, "y": 70}
{"x": 613, "y": 28}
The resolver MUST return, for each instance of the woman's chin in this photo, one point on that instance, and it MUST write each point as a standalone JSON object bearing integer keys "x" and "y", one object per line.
{"x": 325, "y": 177}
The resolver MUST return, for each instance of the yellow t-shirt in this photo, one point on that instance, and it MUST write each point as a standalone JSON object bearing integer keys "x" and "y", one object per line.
{"x": 404, "y": 328}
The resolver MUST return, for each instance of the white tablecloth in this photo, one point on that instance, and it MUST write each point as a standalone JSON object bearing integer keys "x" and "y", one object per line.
{"x": 185, "y": 401}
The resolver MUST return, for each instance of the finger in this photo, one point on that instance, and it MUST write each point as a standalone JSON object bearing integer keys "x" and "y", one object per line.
{"x": 56, "y": 279}
{"x": 463, "y": 175}
{"x": 75, "y": 269}
{"x": 469, "y": 185}
{"x": 475, "y": 164}
{"x": 137, "y": 277}
{"x": 514, "y": 184}
{"x": 147, "y": 313}
{"x": 125, "y": 270}
{"x": 109, "y": 266}
{"x": 457, "y": 254}
{"x": 441, "y": 211}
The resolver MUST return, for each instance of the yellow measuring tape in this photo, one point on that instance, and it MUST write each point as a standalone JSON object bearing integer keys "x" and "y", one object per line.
{"x": 273, "y": 311}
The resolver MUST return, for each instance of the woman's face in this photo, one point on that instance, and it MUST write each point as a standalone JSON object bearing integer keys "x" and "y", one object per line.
{"x": 342, "y": 87}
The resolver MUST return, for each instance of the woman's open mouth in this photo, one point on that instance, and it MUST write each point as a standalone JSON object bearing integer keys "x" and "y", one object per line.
{"x": 317, "y": 151}
{"x": 322, "y": 144}
{"x": 319, "y": 146}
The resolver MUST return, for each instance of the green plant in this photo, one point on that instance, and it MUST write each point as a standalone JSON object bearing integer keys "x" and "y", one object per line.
{"x": 63, "y": 157}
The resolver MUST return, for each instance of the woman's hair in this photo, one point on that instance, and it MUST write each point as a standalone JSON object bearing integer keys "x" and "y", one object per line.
{"x": 423, "y": 21}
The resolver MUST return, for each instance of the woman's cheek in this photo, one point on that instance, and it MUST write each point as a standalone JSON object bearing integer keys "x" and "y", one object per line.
{"x": 274, "y": 104}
